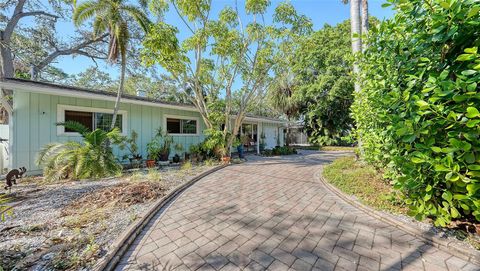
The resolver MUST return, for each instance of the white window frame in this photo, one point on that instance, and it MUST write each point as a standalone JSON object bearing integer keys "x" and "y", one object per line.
{"x": 165, "y": 117}
{"x": 61, "y": 108}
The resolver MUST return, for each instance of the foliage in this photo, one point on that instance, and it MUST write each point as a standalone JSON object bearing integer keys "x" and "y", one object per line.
{"x": 417, "y": 113}
{"x": 324, "y": 83}
{"x": 285, "y": 150}
{"x": 113, "y": 17}
{"x": 364, "y": 182}
{"x": 159, "y": 147}
{"x": 218, "y": 52}
{"x": 91, "y": 158}
{"x": 130, "y": 143}
{"x": 94, "y": 78}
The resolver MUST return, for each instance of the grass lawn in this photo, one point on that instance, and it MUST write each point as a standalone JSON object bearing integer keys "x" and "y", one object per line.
{"x": 365, "y": 183}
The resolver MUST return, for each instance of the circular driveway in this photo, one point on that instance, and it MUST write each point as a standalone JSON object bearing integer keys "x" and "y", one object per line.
{"x": 275, "y": 214}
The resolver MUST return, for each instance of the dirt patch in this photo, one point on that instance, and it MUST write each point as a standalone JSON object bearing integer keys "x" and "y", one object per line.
{"x": 71, "y": 225}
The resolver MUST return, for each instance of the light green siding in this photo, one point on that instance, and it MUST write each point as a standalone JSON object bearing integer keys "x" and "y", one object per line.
{"x": 35, "y": 118}
{"x": 36, "y": 115}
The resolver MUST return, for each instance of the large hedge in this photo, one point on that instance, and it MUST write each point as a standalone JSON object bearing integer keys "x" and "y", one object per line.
{"x": 418, "y": 112}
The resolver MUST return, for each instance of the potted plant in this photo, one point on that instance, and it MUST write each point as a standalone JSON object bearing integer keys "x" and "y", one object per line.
{"x": 194, "y": 152}
{"x": 224, "y": 155}
{"x": 130, "y": 143}
{"x": 160, "y": 146}
{"x": 178, "y": 147}
{"x": 153, "y": 149}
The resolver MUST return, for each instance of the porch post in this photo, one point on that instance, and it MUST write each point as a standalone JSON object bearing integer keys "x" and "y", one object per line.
{"x": 258, "y": 137}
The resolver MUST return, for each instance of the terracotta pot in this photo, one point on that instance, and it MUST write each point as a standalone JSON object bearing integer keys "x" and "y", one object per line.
{"x": 226, "y": 159}
{"x": 150, "y": 163}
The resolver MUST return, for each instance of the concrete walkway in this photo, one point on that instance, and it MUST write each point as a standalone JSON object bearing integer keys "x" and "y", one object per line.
{"x": 275, "y": 214}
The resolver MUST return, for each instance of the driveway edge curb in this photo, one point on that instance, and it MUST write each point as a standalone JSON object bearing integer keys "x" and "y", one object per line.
{"x": 469, "y": 255}
{"x": 122, "y": 242}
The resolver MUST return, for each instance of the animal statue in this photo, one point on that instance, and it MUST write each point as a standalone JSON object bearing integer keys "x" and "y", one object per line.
{"x": 13, "y": 176}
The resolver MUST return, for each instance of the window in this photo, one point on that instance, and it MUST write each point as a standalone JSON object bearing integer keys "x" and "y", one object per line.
{"x": 181, "y": 126}
{"x": 91, "y": 118}
{"x": 84, "y": 118}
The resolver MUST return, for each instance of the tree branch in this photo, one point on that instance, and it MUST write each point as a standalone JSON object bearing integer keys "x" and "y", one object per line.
{"x": 77, "y": 49}
{"x": 19, "y": 14}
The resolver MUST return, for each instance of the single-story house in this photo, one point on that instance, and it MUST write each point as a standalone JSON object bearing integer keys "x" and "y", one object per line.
{"x": 38, "y": 106}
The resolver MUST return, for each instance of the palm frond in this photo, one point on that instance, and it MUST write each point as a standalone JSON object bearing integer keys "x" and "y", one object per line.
{"x": 75, "y": 126}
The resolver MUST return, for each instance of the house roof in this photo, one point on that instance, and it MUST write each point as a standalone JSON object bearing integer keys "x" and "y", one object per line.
{"x": 70, "y": 91}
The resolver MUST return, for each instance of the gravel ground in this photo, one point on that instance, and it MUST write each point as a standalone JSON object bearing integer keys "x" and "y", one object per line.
{"x": 43, "y": 235}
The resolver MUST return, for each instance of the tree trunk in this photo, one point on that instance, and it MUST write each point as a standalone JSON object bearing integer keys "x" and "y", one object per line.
{"x": 119, "y": 93}
{"x": 365, "y": 24}
{"x": 6, "y": 61}
{"x": 356, "y": 33}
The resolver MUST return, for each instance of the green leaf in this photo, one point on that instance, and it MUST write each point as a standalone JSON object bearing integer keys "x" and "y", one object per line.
{"x": 445, "y": 5}
{"x": 474, "y": 11}
{"x": 465, "y": 57}
{"x": 417, "y": 160}
{"x": 469, "y": 157}
{"x": 474, "y": 167}
{"x": 454, "y": 212}
{"x": 385, "y": 5}
{"x": 472, "y": 112}
{"x": 472, "y": 50}
{"x": 441, "y": 168}
{"x": 472, "y": 86}
{"x": 421, "y": 103}
{"x": 436, "y": 149}
{"x": 447, "y": 195}
{"x": 469, "y": 72}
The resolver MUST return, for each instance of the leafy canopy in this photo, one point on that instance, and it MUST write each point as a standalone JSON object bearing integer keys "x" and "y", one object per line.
{"x": 323, "y": 73}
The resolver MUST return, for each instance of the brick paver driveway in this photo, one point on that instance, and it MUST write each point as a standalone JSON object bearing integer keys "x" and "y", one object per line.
{"x": 275, "y": 214}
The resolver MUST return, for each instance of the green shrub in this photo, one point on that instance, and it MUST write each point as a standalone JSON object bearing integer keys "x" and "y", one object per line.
{"x": 91, "y": 158}
{"x": 285, "y": 150}
{"x": 417, "y": 113}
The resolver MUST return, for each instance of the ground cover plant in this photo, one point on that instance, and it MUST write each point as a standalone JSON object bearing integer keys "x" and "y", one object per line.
{"x": 417, "y": 113}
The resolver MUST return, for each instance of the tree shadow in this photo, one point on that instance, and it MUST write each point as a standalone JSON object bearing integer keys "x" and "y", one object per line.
{"x": 325, "y": 238}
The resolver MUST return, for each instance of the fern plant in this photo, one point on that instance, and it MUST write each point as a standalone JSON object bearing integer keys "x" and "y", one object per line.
{"x": 91, "y": 158}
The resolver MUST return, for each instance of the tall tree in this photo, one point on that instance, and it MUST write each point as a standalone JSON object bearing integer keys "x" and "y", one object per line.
{"x": 365, "y": 23}
{"x": 43, "y": 46}
{"x": 113, "y": 17}
{"x": 217, "y": 54}
{"x": 324, "y": 83}
{"x": 356, "y": 35}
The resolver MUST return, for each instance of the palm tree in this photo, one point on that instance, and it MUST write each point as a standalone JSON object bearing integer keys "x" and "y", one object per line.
{"x": 92, "y": 158}
{"x": 113, "y": 17}
{"x": 281, "y": 97}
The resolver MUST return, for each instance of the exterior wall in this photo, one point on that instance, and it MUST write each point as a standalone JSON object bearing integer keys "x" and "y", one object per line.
{"x": 36, "y": 115}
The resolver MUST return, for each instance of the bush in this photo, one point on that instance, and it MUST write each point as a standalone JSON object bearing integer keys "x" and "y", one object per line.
{"x": 92, "y": 158}
{"x": 417, "y": 113}
{"x": 285, "y": 150}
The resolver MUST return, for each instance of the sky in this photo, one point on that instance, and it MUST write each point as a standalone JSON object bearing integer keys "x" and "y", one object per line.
{"x": 321, "y": 12}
